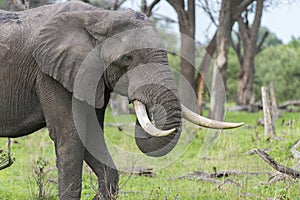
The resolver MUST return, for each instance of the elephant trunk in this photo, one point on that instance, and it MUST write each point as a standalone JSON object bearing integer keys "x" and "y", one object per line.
{"x": 159, "y": 95}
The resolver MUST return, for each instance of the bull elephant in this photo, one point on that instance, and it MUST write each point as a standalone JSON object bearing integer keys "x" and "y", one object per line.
{"x": 50, "y": 59}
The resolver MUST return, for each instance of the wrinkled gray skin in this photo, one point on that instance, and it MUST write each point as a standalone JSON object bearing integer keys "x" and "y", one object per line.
{"x": 41, "y": 51}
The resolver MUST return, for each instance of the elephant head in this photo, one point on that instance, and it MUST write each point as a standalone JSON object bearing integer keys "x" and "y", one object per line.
{"x": 127, "y": 56}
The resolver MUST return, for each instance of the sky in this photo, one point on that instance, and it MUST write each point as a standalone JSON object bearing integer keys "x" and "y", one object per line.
{"x": 282, "y": 20}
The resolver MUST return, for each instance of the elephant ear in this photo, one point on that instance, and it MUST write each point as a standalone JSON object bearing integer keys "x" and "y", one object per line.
{"x": 66, "y": 51}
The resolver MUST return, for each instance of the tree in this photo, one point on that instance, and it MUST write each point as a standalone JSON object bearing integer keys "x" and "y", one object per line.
{"x": 186, "y": 18}
{"x": 236, "y": 7}
{"x": 246, "y": 48}
{"x": 217, "y": 101}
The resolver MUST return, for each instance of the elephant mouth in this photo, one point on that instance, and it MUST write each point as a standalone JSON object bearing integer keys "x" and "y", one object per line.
{"x": 145, "y": 122}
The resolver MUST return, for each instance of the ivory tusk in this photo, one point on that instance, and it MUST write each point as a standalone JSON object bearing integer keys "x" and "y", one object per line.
{"x": 205, "y": 122}
{"x": 146, "y": 124}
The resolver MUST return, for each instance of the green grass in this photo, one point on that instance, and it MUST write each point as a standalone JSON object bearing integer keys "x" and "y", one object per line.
{"x": 195, "y": 152}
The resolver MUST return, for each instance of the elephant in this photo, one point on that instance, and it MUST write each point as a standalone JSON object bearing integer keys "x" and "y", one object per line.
{"x": 58, "y": 66}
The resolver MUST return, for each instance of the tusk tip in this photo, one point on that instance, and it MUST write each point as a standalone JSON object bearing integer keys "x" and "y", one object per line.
{"x": 163, "y": 133}
{"x": 239, "y": 124}
{"x": 231, "y": 125}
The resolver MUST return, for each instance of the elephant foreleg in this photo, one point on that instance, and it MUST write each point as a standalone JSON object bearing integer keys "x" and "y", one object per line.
{"x": 69, "y": 153}
{"x": 98, "y": 157}
{"x": 108, "y": 177}
{"x": 56, "y": 103}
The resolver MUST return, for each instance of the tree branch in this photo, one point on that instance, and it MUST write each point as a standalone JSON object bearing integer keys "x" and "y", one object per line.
{"x": 241, "y": 8}
{"x": 277, "y": 166}
{"x": 208, "y": 11}
{"x": 237, "y": 47}
{"x": 178, "y": 5}
{"x": 259, "y": 46}
{"x": 152, "y": 5}
{"x": 117, "y": 4}
{"x": 256, "y": 22}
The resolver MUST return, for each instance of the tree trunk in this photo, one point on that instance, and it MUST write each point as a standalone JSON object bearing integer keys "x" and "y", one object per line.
{"x": 249, "y": 37}
{"x": 186, "y": 17}
{"x": 245, "y": 82}
{"x": 204, "y": 67}
{"x": 218, "y": 96}
{"x": 187, "y": 70}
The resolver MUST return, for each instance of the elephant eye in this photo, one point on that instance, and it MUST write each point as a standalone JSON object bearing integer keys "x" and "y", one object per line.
{"x": 127, "y": 59}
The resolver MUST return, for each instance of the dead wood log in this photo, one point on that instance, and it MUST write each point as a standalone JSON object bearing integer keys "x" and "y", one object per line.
{"x": 140, "y": 171}
{"x": 294, "y": 151}
{"x": 277, "y": 166}
{"x": 274, "y": 106}
{"x": 289, "y": 103}
{"x": 228, "y": 181}
{"x": 268, "y": 120}
{"x": 220, "y": 174}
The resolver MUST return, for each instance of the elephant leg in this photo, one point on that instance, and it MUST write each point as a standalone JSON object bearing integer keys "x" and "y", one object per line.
{"x": 70, "y": 154}
{"x": 56, "y": 103}
{"x": 98, "y": 158}
{"x": 108, "y": 177}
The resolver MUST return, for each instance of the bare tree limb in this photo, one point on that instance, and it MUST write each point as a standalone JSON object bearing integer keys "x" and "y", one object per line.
{"x": 229, "y": 181}
{"x": 256, "y": 23}
{"x": 277, "y": 166}
{"x": 259, "y": 46}
{"x": 147, "y": 10}
{"x": 117, "y": 4}
{"x": 241, "y": 8}
{"x": 209, "y": 12}
{"x": 296, "y": 153}
{"x": 237, "y": 47}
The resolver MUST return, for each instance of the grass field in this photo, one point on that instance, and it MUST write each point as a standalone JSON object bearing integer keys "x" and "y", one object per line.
{"x": 196, "y": 151}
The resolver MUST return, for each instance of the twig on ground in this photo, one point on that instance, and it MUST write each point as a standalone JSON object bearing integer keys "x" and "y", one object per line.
{"x": 296, "y": 153}
{"x": 253, "y": 151}
{"x": 278, "y": 176}
{"x": 229, "y": 181}
{"x": 220, "y": 174}
{"x": 277, "y": 166}
{"x": 141, "y": 171}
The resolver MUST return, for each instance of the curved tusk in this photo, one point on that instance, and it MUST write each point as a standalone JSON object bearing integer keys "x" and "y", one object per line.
{"x": 142, "y": 116}
{"x": 205, "y": 122}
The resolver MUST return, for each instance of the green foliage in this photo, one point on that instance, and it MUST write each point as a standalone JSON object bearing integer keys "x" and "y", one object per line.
{"x": 279, "y": 64}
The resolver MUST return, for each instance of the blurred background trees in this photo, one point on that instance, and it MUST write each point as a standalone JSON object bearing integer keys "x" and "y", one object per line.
{"x": 240, "y": 49}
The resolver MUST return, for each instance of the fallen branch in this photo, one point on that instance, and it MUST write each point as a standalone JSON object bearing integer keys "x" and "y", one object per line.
{"x": 209, "y": 179}
{"x": 229, "y": 181}
{"x": 277, "y": 166}
{"x": 289, "y": 103}
{"x": 140, "y": 171}
{"x": 220, "y": 174}
{"x": 294, "y": 151}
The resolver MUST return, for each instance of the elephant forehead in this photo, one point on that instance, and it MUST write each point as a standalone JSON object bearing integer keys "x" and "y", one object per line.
{"x": 131, "y": 40}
